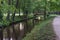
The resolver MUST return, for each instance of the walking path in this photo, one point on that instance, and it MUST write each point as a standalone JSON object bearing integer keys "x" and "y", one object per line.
{"x": 56, "y": 26}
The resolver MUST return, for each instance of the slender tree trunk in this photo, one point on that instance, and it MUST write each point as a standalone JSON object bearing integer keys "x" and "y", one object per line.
{"x": 15, "y": 9}
{"x": 33, "y": 20}
{"x": 14, "y": 32}
{"x": 1, "y": 15}
{"x": 8, "y": 16}
{"x": 19, "y": 12}
{"x": 26, "y": 21}
{"x": 13, "y": 16}
{"x": 12, "y": 2}
{"x": 45, "y": 10}
{"x": 1, "y": 29}
{"x": 19, "y": 7}
{"x": 44, "y": 14}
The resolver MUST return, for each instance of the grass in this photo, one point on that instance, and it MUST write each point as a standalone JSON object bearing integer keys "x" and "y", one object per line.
{"x": 42, "y": 31}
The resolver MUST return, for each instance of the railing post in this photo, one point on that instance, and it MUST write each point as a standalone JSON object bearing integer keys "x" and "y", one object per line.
{"x": 1, "y": 33}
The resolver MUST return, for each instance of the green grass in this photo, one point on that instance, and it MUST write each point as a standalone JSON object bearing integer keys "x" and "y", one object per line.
{"x": 40, "y": 31}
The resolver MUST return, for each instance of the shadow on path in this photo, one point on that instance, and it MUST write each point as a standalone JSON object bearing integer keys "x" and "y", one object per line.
{"x": 56, "y": 26}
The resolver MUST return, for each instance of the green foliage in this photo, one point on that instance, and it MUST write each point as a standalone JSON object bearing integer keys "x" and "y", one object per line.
{"x": 1, "y": 15}
{"x": 4, "y": 22}
{"x": 6, "y": 7}
{"x": 28, "y": 5}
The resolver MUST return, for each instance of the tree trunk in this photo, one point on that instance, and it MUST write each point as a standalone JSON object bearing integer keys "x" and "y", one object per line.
{"x": 45, "y": 10}
{"x": 15, "y": 9}
{"x": 26, "y": 21}
{"x": 13, "y": 16}
{"x": 1, "y": 15}
{"x": 14, "y": 32}
{"x": 8, "y": 16}
{"x": 44, "y": 14}
{"x": 19, "y": 12}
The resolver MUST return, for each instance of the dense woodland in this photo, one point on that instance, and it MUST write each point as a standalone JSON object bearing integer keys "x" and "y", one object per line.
{"x": 26, "y": 7}
{"x": 15, "y": 11}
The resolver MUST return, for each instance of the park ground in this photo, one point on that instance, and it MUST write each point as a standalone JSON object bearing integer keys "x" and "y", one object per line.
{"x": 47, "y": 30}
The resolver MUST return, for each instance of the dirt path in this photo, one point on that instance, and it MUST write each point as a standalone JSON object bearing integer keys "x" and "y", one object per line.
{"x": 56, "y": 26}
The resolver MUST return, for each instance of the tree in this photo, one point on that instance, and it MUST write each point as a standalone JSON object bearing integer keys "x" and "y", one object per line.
{"x": 8, "y": 16}
{"x": 1, "y": 14}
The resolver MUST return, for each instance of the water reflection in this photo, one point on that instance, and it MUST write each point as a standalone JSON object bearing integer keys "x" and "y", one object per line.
{"x": 7, "y": 38}
{"x": 19, "y": 28}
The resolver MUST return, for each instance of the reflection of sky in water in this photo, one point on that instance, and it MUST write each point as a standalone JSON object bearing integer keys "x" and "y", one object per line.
{"x": 21, "y": 26}
{"x": 56, "y": 26}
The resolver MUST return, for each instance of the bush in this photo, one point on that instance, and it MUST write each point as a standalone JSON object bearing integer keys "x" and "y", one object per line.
{"x": 4, "y": 22}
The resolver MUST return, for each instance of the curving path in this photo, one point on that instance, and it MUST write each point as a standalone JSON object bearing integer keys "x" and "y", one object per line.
{"x": 56, "y": 26}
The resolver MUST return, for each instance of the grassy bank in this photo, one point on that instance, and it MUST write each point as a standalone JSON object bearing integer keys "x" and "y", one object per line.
{"x": 42, "y": 31}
